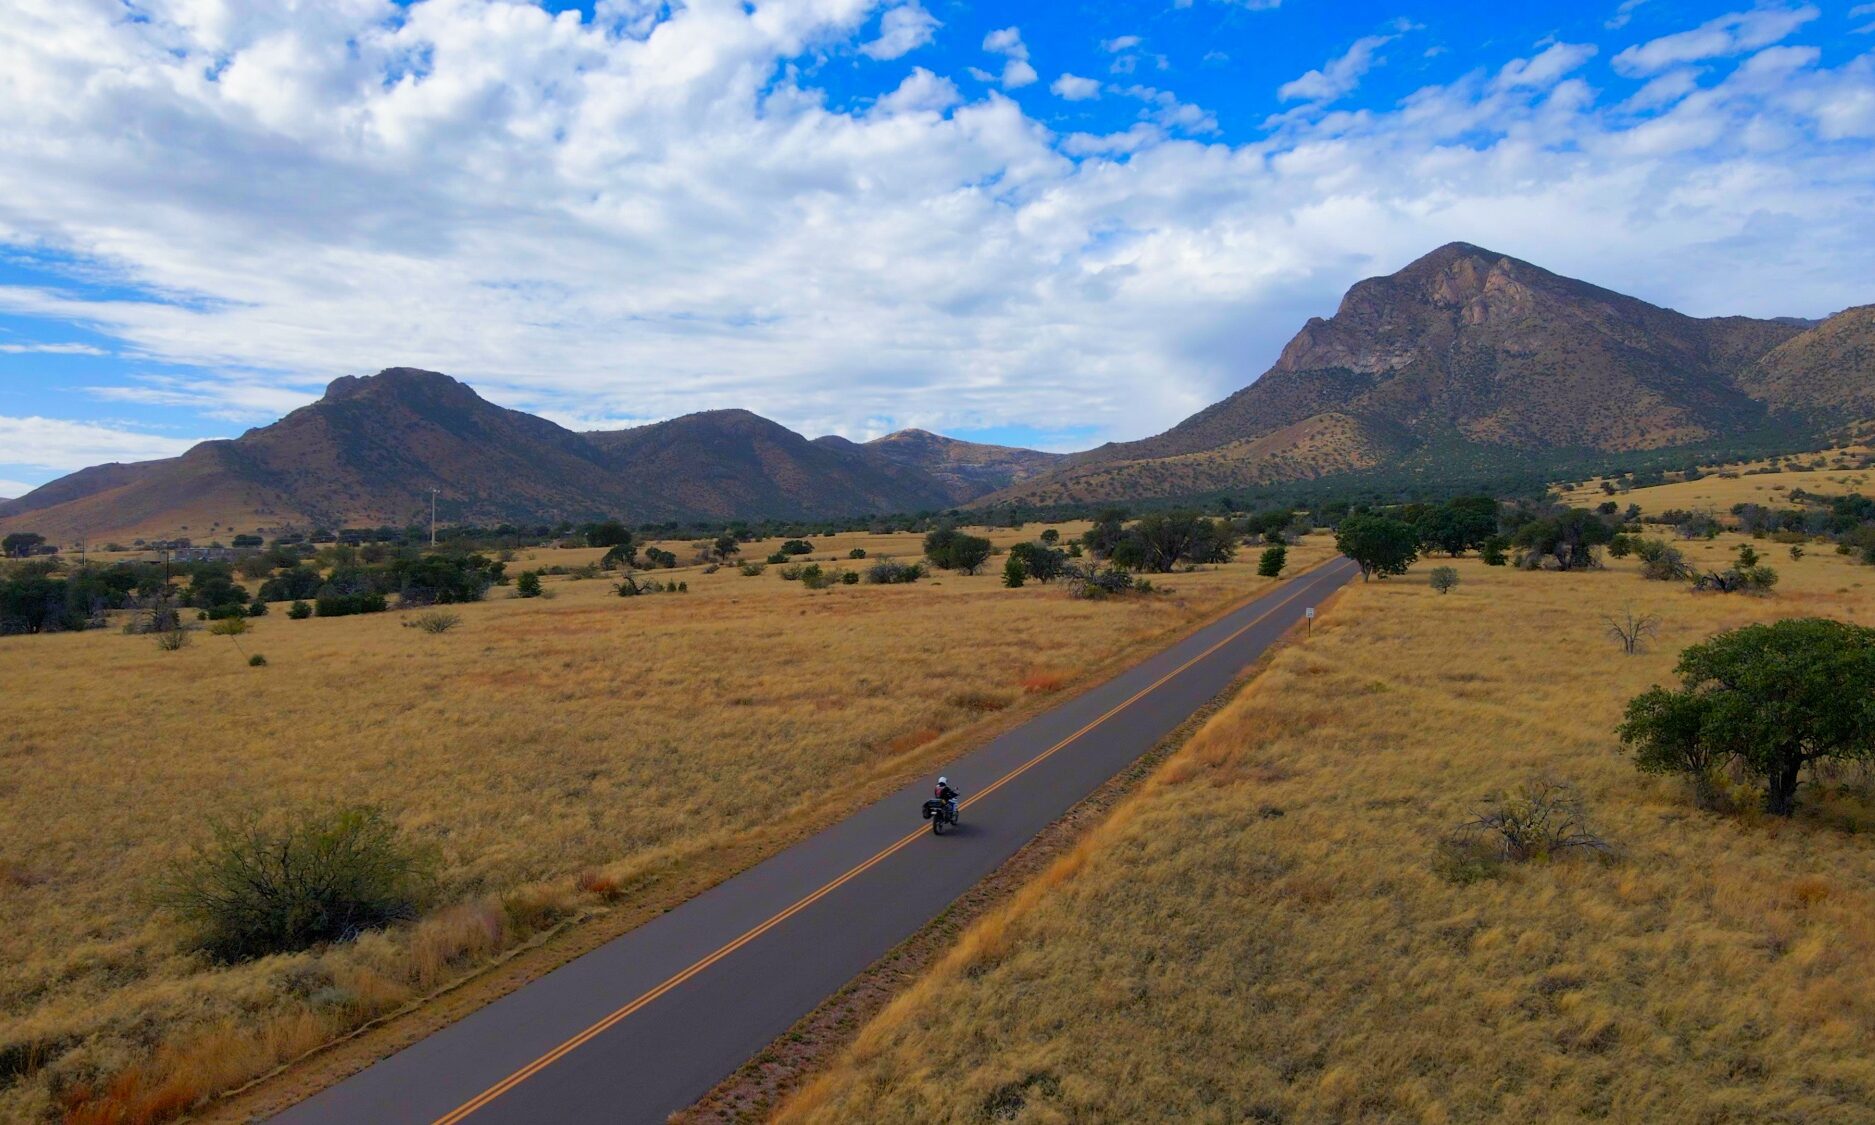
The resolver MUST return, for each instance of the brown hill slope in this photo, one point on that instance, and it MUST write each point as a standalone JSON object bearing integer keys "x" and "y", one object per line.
{"x": 1830, "y": 368}
{"x": 1471, "y": 345}
{"x": 968, "y": 469}
{"x": 371, "y": 449}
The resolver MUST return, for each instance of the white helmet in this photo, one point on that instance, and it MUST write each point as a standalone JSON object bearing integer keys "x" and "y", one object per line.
{"x": 944, "y": 781}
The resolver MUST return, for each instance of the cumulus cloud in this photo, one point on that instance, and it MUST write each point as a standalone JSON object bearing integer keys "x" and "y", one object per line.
{"x": 1734, "y": 34}
{"x": 901, "y": 30}
{"x": 1075, "y": 88}
{"x": 655, "y": 213}
{"x": 1337, "y": 77}
{"x": 1016, "y": 69}
{"x": 1546, "y": 68}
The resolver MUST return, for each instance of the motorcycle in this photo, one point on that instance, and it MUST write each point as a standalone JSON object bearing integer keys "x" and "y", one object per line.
{"x": 941, "y": 814}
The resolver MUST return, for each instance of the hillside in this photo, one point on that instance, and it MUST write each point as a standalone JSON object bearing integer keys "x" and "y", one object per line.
{"x": 371, "y": 450}
{"x": 1470, "y": 347}
{"x": 968, "y": 469}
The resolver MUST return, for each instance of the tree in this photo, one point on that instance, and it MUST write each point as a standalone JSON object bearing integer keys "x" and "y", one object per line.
{"x": 1051, "y": 536}
{"x": 1379, "y": 545}
{"x": 1108, "y": 530}
{"x": 1461, "y": 525}
{"x": 1772, "y": 698}
{"x": 726, "y": 545}
{"x": 1013, "y": 575}
{"x": 608, "y": 533}
{"x": 1631, "y": 630}
{"x": 1039, "y": 561}
{"x": 527, "y": 584}
{"x": 1494, "y": 551}
{"x": 1270, "y": 564}
{"x": 953, "y": 550}
{"x": 1444, "y": 578}
{"x": 21, "y": 543}
{"x": 1571, "y": 537}
{"x": 1161, "y": 541}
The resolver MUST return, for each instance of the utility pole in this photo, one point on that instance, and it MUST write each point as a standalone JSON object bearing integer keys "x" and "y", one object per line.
{"x": 432, "y": 519}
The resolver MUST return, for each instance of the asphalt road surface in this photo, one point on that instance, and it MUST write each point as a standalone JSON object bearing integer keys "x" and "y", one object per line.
{"x": 650, "y": 1022}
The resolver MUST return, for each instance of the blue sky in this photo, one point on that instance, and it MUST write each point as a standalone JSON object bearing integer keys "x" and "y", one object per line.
{"x": 1051, "y": 224}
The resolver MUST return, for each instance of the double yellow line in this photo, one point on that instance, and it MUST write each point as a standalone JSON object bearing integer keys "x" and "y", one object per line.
{"x": 543, "y": 1062}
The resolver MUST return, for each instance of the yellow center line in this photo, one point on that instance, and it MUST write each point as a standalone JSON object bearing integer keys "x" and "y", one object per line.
{"x": 611, "y": 1020}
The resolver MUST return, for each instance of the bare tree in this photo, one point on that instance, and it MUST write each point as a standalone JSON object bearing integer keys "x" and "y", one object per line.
{"x": 1631, "y": 630}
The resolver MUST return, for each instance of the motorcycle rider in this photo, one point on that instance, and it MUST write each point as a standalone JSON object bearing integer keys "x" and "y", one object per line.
{"x": 945, "y": 793}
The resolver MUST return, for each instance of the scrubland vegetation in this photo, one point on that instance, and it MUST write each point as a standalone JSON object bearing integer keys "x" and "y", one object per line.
{"x": 1412, "y": 873}
{"x": 463, "y": 783}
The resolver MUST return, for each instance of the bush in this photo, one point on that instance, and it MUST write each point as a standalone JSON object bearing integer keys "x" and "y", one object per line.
{"x": 1270, "y": 564}
{"x": 229, "y": 627}
{"x": 258, "y": 609}
{"x": 347, "y": 605}
{"x": 435, "y": 621}
{"x": 1444, "y": 578}
{"x": 256, "y": 890}
{"x": 1095, "y": 582}
{"x": 1495, "y": 551}
{"x": 889, "y": 573}
{"x": 226, "y": 611}
{"x": 1538, "y": 822}
{"x": 953, "y": 550}
{"x": 170, "y": 640}
{"x": 811, "y": 576}
{"x": 796, "y": 547}
{"x": 1661, "y": 562}
{"x": 856, "y": 553}
{"x": 527, "y": 585}
{"x": 750, "y": 570}
{"x": 299, "y": 611}
{"x": 849, "y": 578}
{"x": 257, "y": 661}
{"x": 1013, "y": 574}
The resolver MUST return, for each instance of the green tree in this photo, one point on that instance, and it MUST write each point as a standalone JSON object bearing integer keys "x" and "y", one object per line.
{"x": 1013, "y": 574}
{"x": 1571, "y": 537}
{"x": 1270, "y": 564}
{"x": 608, "y": 533}
{"x": 1494, "y": 551}
{"x": 527, "y": 584}
{"x": 1379, "y": 545}
{"x": 21, "y": 543}
{"x": 1039, "y": 561}
{"x": 1444, "y": 579}
{"x": 1773, "y": 698}
{"x": 954, "y": 550}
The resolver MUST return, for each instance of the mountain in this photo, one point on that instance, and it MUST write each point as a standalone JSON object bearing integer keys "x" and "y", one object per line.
{"x": 1829, "y": 369}
{"x": 967, "y": 469}
{"x": 1468, "y": 348}
{"x": 371, "y": 450}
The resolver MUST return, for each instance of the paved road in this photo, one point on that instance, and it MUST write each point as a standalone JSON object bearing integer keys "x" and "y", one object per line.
{"x": 650, "y": 1022}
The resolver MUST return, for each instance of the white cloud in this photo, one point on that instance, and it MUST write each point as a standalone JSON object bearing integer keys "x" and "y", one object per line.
{"x": 14, "y": 489}
{"x": 1623, "y": 15}
{"x": 51, "y": 349}
{"x": 1016, "y": 69}
{"x": 901, "y": 30}
{"x": 58, "y": 445}
{"x": 657, "y": 214}
{"x": 1337, "y": 77}
{"x": 1734, "y": 34}
{"x": 1119, "y": 43}
{"x": 1547, "y": 68}
{"x": 1075, "y": 88}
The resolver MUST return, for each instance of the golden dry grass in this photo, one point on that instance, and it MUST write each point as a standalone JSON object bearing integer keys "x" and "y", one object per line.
{"x": 1261, "y": 935}
{"x": 560, "y": 753}
{"x": 1725, "y": 486}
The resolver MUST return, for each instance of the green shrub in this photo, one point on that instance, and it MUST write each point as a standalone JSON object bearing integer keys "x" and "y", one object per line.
{"x": 856, "y": 553}
{"x": 435, "y": 621}
{"x": 1444, "y": 578}
{"x": 527, "y": 584}
{"x": 257, "y": 661}
{"x": 1272, "y": 561}
{"x": 257, "y": 889}
{"x": 258, "y": 609}
{"x": 778, "y": 558}
{"x": 170, "y": 640}
{"x": 887, "y": 572}
{"x": 1495, "y": 551}
{"x": 1013, "y": 574}
{"x": 750, "y": 570}
{"x": 796, "y": 547}
{"x": 849, "y": 578}
{"x": 347, "y": 605}
{"x": 299, "y": 611}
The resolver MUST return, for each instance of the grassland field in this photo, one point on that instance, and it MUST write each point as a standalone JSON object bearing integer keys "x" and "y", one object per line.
{"x": 1263, "y": 934}
{"x": 568, "y": 754}
{"x": 1722, "y": 486}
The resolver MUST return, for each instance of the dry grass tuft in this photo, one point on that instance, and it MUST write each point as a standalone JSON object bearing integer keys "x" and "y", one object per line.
{"x": 1261, "y": 933}
{"x": 1042, "y": 683}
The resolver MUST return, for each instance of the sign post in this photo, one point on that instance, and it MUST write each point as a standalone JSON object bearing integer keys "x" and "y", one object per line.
{"x": 1309, "y": 616}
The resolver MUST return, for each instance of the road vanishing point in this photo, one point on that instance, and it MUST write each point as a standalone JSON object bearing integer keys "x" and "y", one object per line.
{"x": 648, "y": 1023}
